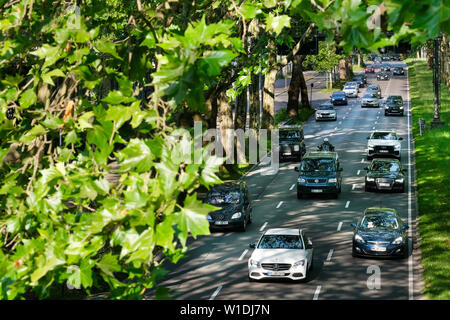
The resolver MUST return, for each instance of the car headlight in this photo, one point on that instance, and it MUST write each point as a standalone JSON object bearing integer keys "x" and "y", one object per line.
{"x": 299, "y": 263}
{"x": 370, "y": 179}
{"x": 399, "y": 180}
{"x": 237, "y": 215}
{"x": 344, "y": 98}
{"x": 209, "y": 217}
{"x": 401, "y": 108}
{"x": 397, "y": 241}
{"x": 359, "y": 239}
{"x": 296, "y": 148}
{"x": 387, "y": 107}
{"x": 397, "y": 147}
{"x": 370, "y": 146}
{"x": 255, "y": 263}
{"x": 301, "y": 180}
{"x": 332, "y": 180}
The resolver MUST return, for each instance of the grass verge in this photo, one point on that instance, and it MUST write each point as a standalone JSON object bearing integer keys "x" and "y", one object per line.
{"x": 433, "y": 176}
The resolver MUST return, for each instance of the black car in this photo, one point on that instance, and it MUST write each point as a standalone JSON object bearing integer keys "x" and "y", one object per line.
{"x": 385, "y": 175}
{"x": 291, "y": 142}
{"x": 360, "y": 81}
{"x": 385, "y": 67}
{"x": 338, "y": 98}
{"x": 394, "y": 105}
{"x": 398, "y": 71}
{"x": 396, "y": 57}
{"x": 380, "y": 233}
{"x": 383, "y": 76}
{"x": 320, "y": 173}
{"x": 235, "y": 208}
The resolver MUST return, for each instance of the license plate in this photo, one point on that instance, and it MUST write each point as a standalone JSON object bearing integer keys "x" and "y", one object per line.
{"x": 275, "y": 273}
{"x": 316, "y": 190}
{"x": 287, "y": 154}
{"x": 221, "y": 222}
{"x": 378, "y": 249}
{"x": 385, "y": 185}
{"x": 384, "y": 151}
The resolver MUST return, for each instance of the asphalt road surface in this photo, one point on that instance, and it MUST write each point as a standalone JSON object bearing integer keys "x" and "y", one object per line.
{"x": 216, "y": 265}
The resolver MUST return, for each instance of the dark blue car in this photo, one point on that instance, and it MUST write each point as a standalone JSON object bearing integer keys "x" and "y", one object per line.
{"x": 338, "y": 98}
{"x": 380, "y": 233}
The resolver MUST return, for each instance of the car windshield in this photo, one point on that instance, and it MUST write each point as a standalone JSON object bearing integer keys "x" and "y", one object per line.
{"x": 370, "y": 95}
{"x": 384, "y": 136}
{"x": 338, "y": 93}
{"x": 289, "y": 134}
{"x": 223, "y": 198}
{"x": 350, "y": 87}
{"x": 373, "y": 88}
{"x": 280, "y": 241}
{"x": 373, "y": 222}
{"x": 325, "y": 107}
{"x": 385, "y": 166}
{"x": 310, "y": 165}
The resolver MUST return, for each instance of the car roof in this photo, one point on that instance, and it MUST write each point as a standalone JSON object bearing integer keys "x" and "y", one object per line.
{"x": 290, "y": 127}
{"x": 384, "y": 130}
{"x": 227, "y": 186}
{"x": 396, "y": 97}
{"x": 320, "y": 154}
{"x": 386, "y": 160}
{"x": 338, "y": 92}
{"x": 373, "y": 86}
{"x": 380, "y": 211}
{"x": 283, "y": 231}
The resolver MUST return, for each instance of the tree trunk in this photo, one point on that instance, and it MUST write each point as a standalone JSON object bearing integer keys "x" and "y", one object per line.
{"x": 304, "y": 90}
{"x": 430, "y": 56}
{"x": 211, "y": 105}
{"x": 269, "y": 89}
{"x": 225, "y": 118}
{"x": 240, "y": 117}
{"x": 331, "y": 80}
{"x": 254, "y": 110}
{"x": 294, "y": 86}
{"x": 349, "y": 67}
{"x": 342, "y": 70}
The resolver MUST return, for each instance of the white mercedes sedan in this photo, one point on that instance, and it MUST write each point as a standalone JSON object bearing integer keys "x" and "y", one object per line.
{"x": 281, "y": 253}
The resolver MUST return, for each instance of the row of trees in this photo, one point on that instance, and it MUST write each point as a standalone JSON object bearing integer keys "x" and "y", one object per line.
{"x": 95, "y": 89}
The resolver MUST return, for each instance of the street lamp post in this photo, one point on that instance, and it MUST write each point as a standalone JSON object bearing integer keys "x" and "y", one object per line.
{"x": 437, "y": 122}
{"x": 310, "y": 100}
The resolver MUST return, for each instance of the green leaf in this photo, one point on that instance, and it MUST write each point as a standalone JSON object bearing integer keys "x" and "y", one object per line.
{"x": 109, "y": 264}
{"x": 277, "y": 23}
{"x": 117, "y": 97}
{"x": 47, "y": 77}
{"x": 136, "y": 155}
{"x": 27, "y": 99}
{"x": 52, "y": 123}
{"x": 216, "y": 60}
{"x": 118, "y": 114}
{"x": 83, "y": 121}
{"x": 33, "y": 133}
{"x": 106, "y": 46}
{"x": 149, "y": 41}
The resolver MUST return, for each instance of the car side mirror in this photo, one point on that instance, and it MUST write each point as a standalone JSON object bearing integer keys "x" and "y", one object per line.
{"x": 366, "y": 168}
{"x": 252, "y": 245}
{"x": 405, "y": 227}
{"x": 296, "y": 169}
{"x": 309, "y": 246}
{"x": 368, "y": 138}
{"x": 400, "y": 138}
{"x": 340, "y": 169}
{"x": 353, "y": 225}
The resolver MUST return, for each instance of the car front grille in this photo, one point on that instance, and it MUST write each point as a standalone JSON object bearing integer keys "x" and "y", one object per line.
{"x": 316, "y": 180}
{"x": 276, "y": 266}
{"x": 390, "y": 149}
{"x": 218, "y": 217}
{"x": 379, "y": 243}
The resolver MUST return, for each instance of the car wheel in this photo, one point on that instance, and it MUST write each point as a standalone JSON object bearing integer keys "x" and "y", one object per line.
{"x": 385, "y": 113}
{"x": 354, "y": 253}
{"x": 250, "y": 217}
{"x": 369, "y": 157}
{"x": 299, "y": 158}
{"x": 311, "y": 266}
{"x": 402, "y": 190}
{"x": 251, "y": 279}
{"x": 336, "y": 195}
{"x": 244, "y": 226}
{"x": 406, "y": 251}
{"x": 366, "y": 189}
{"x": 299, "y": 195}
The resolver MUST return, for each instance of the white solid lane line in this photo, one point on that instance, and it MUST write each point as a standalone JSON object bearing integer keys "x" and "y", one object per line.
{"x": 330, "y": 254}
{"x": 339, "y": 226}
{"x": 279, "y": 204}
{"x": 215, "y": 293}
{"x": 353, "y": 186}
{"x": 263, "y": 226}
{"x": 243, "y": 254}
{"x": 316, "y": 294}
{"x": 347, "y": 204}
{"x": 292, "y": 187}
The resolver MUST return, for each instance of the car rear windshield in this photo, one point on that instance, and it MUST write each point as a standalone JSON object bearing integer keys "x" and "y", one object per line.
{"x": 309, "y": 165}
{"x": 373, "y": 88}
{"x": 338, "y": 93}
{"x": 373, "y": 222}
{"x": 371, "y": 95}
{"x": 385, "y": 166}
{"x": 220, "y": 198}
{"x": 384, "y": 136}
{"x": 280, "y": 241}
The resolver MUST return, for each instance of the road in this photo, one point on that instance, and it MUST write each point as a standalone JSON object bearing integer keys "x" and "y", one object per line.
{"x": 216, "y": 265}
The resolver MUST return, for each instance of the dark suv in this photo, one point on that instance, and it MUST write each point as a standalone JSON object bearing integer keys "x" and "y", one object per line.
{"x": 291, "y": 140}
{"x": 319, "y": 173}
{"x": 235, "y": 208}
{"x": 394, "y": 105}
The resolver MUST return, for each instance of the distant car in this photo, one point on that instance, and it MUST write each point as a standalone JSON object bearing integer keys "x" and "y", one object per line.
{"x": 374, "y": 88}
{"x": 281, "y": 253}
{"x": 291, "y": 142}
{"x": 326, "y": 111}
{"x": 319, "y": 173}
{"x": 360, "y": 81}
{"x": 351, "y": 91}
{"x": 338, "y": 98}
{"x": 235, "y": 208}
{"x": 370, "y": 99}
{"x": 385, "y": 174}
{"x": 398, "y": 71}
{"x": 380, "y": 233}
{"x": 396, "y": 57}
{"x": 385, "y": 67}
{"x": 369, "y": 69}
{"x": 394, "y": 105}
{"x": 383, "y": 143}
{"x": 383, "y": 76}
{"x": 385, "y": 58}
{"x": 351, "y": 84}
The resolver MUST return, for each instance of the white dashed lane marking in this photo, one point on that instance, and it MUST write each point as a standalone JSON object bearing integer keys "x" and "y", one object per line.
{"x": 243, "y": 254}
{"x": 347, "y": 204}
{"x": 263, "y": 226}
{"x": 279, "y": 204}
